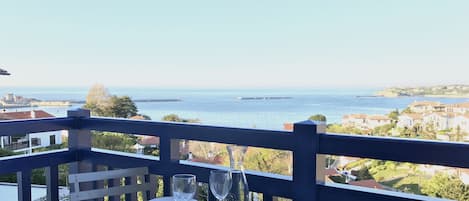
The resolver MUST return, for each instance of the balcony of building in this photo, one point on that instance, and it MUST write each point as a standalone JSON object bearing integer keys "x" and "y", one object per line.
{"x": 308, "y": 144}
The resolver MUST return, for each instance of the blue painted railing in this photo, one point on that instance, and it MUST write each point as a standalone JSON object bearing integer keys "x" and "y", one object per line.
{"x": 308, "y": 142}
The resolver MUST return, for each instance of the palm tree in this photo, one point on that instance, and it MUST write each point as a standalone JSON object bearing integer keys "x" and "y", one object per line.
{"x": 4, "y": 72}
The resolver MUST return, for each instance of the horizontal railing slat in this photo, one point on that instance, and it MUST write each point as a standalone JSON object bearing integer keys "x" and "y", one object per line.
{"x": 240, "y": 136}
{"x": 116, "y": 159}
{"x": 37, "y": 160}
{"x": 21, "y": 127}
{"x": 396, "y": 149}
{"x": 334, "y": 192}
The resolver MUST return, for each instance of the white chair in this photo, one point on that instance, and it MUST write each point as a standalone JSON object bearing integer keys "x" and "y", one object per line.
{"x": 146, "y": 186}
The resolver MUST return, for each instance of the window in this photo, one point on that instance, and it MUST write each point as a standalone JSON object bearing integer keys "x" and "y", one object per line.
{"x": 52, "y": 139}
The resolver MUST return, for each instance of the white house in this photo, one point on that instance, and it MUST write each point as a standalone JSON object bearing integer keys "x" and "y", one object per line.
{"x": 461, "y": 121}
{"x": 355, "y": 120}
{"x": 464, "y": 175}
{"x": 364, "y": 121}
{"x": 440, "y": 120}
{"x": 27, "y": 142}
{"x": 373, "y": 121}
{"x": 426, "y": 106}
{"x": 462, "y": 108}
{"x": 409, "y": 120}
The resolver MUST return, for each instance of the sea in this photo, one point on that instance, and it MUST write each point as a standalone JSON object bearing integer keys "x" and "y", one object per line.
{"x": 225, "y": 107}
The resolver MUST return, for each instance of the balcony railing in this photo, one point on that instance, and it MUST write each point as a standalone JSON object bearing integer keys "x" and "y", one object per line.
{"x": 22, "y": 144}
{"x": 308, "y": 142}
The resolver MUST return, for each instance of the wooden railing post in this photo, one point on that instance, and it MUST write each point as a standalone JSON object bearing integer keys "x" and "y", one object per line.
{"x": 305, "y": 160}
{"x": 24, "y": 185}
{"x": 80, "y": 140}
{"x": 169, "y": 153}
{"x": 52, "y": 181}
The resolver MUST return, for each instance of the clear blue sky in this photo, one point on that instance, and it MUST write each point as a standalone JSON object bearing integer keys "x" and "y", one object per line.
{"x": 234, "y": 44}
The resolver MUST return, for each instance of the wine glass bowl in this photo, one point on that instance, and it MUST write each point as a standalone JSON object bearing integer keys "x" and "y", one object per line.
{"x": 184, "y": 187}
{"x": 220, "y": 183}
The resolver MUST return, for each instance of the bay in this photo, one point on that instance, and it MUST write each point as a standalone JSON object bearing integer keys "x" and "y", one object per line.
{"x": 222, "y": 107}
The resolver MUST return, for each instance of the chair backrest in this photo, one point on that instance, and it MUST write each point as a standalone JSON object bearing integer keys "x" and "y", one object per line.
{"x": 146, "y": 184}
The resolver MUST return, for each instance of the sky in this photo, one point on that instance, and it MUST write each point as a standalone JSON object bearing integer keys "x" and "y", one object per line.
{"x": 234, "y": 44}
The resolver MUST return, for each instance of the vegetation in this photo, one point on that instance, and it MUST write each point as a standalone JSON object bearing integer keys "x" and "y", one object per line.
{"x": 384, "y": 130}
{"x": 338, "y": 128}
{"x": 445, "y": 186}
{"x": 318, "y": 117}
{"x": 113, "y": 141}
{"x": 101, "y": 103}
{"x": 394, "y": 116}
{"x": 176, "y": 118}
{"x": 406, "y": 177}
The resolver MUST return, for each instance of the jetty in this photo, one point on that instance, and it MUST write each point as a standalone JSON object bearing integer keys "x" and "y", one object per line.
{"x": 264, "y": 98}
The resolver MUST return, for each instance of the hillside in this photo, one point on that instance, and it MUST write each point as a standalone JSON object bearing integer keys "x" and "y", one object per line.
{"x": 452, "y": 91}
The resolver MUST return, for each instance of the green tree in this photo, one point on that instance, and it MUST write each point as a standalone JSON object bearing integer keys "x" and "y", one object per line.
{"x": 406, "y": 111}
{"x": 318, "y": 117}
{"x": 383, "y": 130}
{"x": 113, "y": 141}
{"x": 394, "y": 115}
{"x": 101, "y": 103}
{"x": 172, "y": 117}
{"x": 338, "y": 128}
{"x": 176, "y": 118}
{"x": 445, "y": 186}
{"x": 122, "y": 107}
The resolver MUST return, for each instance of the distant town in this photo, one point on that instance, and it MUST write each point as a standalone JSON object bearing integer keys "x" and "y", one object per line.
{"x": 11, "y": 100}
{"x": 447, "y": 91}
{"x": 444, "y": 120}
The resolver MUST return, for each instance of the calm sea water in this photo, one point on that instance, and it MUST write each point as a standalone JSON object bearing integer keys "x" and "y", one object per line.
{"x": 222, "y": 107}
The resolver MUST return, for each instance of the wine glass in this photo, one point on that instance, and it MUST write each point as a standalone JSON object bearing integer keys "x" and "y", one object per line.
{"x": 184, "y": 187}
{"x": 220, "y": 183}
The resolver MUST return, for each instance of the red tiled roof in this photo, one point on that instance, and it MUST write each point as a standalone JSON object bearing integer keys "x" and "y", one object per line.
{"x": 378, "y": 117}
{"x": 460, "y": 105}
{"x": 216, "y": 160}
{"x": 367, "y": 183}
{"x": 24, "y": 115}
{"x": 425, "y": 103}
{"x": 137, "y": 117}
{"x": 462, "y": 170}
{"x": 413, "y": 115}
{"x": 150, "y": 140}
{"x": 330, "y": 171}
{"x": 356, "y": 116}
{"x": 288, "y": 126}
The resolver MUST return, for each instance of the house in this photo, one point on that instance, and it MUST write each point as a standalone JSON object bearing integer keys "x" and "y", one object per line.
{"x": 288, "y": 126}
{"x": 447, "y": 120}
{"x": 458, "y": 107}
{"x": 150, "y": 141}
{"x": 464, "y": 175}
{"x": 426, "y": 106}
{"x": 374, "y": 121}
{"x": 355, "y": 120}
{"x": 409, "y": 120}
{"x": 364, "y": 122}
{"x": 439, "y": 120}
{"x": 461, "y": 123}
{"x": 28, "y": 142}
{"x": 342, "y": 161}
